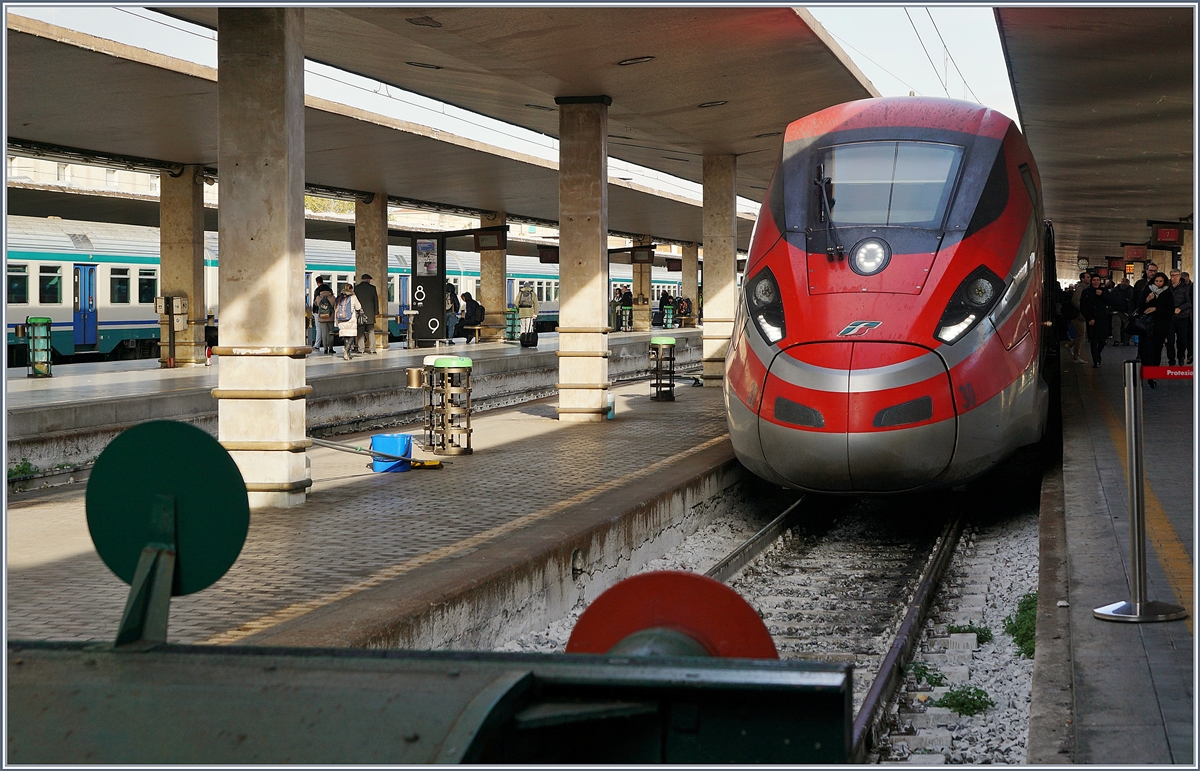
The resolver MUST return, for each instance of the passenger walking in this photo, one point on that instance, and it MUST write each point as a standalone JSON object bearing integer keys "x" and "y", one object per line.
{"x": 323, "y": 308}
{"x": 472, "y": 317}
{"x": 1097, "y": 313}
{"x": 1159, "y": 307}
{"x": 1074, "y": 315}
{"x": 527, "y": 307}
{"x": 368, "y": 298}
{"x": 346, "y": 316}
{"x": 1141, "y": 288}
{"x": 627, "y": 311}
{"x": 1179, "y": 336}
{"x": 1121, "y": 300}
{"x": 452, "y": 308}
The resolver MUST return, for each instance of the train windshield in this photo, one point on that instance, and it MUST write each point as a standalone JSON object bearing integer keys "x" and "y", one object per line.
{"x": 890, "y": 183}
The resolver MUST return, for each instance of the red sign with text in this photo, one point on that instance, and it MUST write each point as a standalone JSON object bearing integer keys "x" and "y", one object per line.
{"x": 1166, "y": 373}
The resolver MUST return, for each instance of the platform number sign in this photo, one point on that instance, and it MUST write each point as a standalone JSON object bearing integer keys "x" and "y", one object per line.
{"x": 429, "y": 290}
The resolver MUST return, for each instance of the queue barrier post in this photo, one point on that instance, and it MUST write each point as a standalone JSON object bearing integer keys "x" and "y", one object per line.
{"x": 1138, "y": 609}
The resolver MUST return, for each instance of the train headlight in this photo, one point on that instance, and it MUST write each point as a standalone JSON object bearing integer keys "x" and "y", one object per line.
{"x": 969, "y": 303}
{"x": 766, "y": 306}
{"x": 870, "y": 256}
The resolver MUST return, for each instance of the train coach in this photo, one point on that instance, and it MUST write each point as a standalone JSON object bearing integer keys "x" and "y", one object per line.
{"x": 97, "y": 283}
{"x": 889, "y": 335}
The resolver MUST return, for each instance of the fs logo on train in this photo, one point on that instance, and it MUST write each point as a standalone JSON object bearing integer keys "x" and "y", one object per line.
{"x": 858, "y": 328}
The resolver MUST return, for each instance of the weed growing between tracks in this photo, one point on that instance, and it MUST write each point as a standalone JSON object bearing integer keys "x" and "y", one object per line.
{"x": 965, "y": 700}
{"x": 923, "y": 672}
{"x": 983, "y": 634}
{"x": 1022, "y": 625}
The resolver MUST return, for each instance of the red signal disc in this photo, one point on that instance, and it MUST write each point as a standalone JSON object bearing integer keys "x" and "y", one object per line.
{"x": 707, "y": 610}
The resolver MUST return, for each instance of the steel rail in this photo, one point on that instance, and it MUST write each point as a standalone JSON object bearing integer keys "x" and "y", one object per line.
{"x": 752, "y": 547}
{"x": 891, "y": 668}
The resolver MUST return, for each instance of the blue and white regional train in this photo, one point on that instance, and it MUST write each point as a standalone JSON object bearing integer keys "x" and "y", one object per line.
{"x": 97, "y": 282}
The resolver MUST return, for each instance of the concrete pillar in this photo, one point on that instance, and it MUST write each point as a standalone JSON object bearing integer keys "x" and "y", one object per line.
{"x": 371, "y": 255}
{"x": 641, "y": 288}
{"x": 583, "y": 258}
{"x": 493, "y": 271}
{"x": 691, "y": 285}
{"x": 260, "y": 155}
{"x": 181, "y": 259}
{"x": 720, "y": 262}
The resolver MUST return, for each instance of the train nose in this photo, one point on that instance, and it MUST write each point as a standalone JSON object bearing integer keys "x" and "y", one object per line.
{"x": 857, "y": 417}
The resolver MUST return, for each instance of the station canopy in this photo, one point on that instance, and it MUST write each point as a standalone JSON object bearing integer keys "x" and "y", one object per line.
{"x": 1105, "y": 98}
{"x": 765, "y": 66}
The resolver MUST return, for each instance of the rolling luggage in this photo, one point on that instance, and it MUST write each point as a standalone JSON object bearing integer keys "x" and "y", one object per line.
{"x": 529, "y": 339}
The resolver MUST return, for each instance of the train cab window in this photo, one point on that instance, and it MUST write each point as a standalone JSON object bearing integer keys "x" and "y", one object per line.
{"x": 18, "y": 284}
{"x": 890, "y": 183}
{"x": 147, "y": 285}
{"x": 391, "y": 289}
{"x": 118, "y": 286}
{"x": 50, "y": 284}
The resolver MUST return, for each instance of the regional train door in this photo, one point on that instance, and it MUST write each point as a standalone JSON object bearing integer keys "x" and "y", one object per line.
{"x": 85, "y": 305}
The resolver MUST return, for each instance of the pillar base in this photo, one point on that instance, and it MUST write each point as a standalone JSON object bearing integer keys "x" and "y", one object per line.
{"x": 641, "y": 318}
{"x": 580, "y": 417}
{"x": 276, "y": 500}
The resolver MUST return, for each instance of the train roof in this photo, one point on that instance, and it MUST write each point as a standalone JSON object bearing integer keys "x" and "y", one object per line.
{"x": 922, "y": 112}
{"x": 74, "y": 237}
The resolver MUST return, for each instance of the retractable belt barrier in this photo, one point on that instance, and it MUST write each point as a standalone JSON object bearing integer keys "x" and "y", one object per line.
{"x": 1138, "y": 609}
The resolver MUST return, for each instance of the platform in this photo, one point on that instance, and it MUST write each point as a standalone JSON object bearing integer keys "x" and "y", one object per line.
{"x": 1131, "y": 686}
{"x": 543, "y": 512}
{"x": 71, "y": 417}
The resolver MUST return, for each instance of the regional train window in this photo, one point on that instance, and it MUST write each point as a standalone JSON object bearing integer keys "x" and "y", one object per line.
{"x": 50, "y": 284}
{"x": 147, "y": 285}
{"x": 18, "y": 284}
{"x": 391, "y": 289}
{"x": 118, "y": 286}
{"x": 891, "y": 183}
{"x": 555, "y": 291}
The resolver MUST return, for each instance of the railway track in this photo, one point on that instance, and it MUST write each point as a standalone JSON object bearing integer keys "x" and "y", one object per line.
{"x": 856, "y": 587}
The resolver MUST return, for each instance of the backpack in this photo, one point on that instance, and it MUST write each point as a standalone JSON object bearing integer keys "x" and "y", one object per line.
{"x": 525, "y": 299}
{"x": 345, "y": 309}
{"x": 1069, "y": 311}
{"x": 324, "y": 309}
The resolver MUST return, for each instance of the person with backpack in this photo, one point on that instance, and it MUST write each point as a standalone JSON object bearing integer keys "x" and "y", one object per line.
{"x": 322, "y": 309}
{"x": 346, "y": 317}
{"x": 472, "y": 317}
{"x": 527, "y": 308}
{"x": 1071, "y": 313}
{"x": 452, "y": 309}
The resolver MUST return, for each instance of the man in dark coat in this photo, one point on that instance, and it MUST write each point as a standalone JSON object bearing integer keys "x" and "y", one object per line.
{"x": 1121, "y": 299}
{"x": 368, "y": 298}
{"x": 1097, "y": 315}
{"x": 1179, "y": 336}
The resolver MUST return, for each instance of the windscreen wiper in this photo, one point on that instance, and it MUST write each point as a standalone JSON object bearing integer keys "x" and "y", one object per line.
{"x": 833, "y": 248}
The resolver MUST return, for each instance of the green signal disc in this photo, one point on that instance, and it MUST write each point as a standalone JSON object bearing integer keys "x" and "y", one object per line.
{"x": 168, "y": 458}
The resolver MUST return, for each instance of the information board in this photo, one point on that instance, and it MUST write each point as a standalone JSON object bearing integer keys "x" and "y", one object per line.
{"x": 428, "y": 290}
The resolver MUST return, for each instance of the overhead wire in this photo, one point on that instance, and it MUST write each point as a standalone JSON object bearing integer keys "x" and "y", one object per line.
{"x": 947, "y": 50}
{"x": 927, "y": 56}
{"x": 846, "y": 43}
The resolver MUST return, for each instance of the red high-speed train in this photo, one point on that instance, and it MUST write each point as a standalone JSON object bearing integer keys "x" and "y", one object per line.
{"x": 889, "y": 334}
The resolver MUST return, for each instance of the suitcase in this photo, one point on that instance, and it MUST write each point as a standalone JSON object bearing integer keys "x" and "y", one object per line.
{"x": 529, "y": 339}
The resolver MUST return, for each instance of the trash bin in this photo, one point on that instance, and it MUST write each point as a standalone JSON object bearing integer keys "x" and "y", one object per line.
{"x": 512, "y": 325}
{"x": 38, "y": 328}
{"x": 668, "y": 319}
{"x": 662, "y": 359}
{"x": 448, "y": 405}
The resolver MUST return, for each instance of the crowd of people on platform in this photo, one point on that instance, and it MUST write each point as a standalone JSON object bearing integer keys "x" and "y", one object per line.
{"x": 671, "y": 309}
{"x": 1154, "y": 313}
{"x": 347, "y": 318}
{"x": 348, "y": 315}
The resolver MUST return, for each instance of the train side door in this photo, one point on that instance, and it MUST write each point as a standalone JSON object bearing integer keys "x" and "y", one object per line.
{"x": 85, "y": 305}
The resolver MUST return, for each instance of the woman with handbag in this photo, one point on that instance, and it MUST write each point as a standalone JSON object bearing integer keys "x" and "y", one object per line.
{"x": 346, "y": 317}
{"x": 1157, "y": 307}
{"x": 1097, "y": 313}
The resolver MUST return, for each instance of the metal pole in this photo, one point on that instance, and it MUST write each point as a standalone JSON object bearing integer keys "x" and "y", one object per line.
{"x": 1137, "y": 609}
